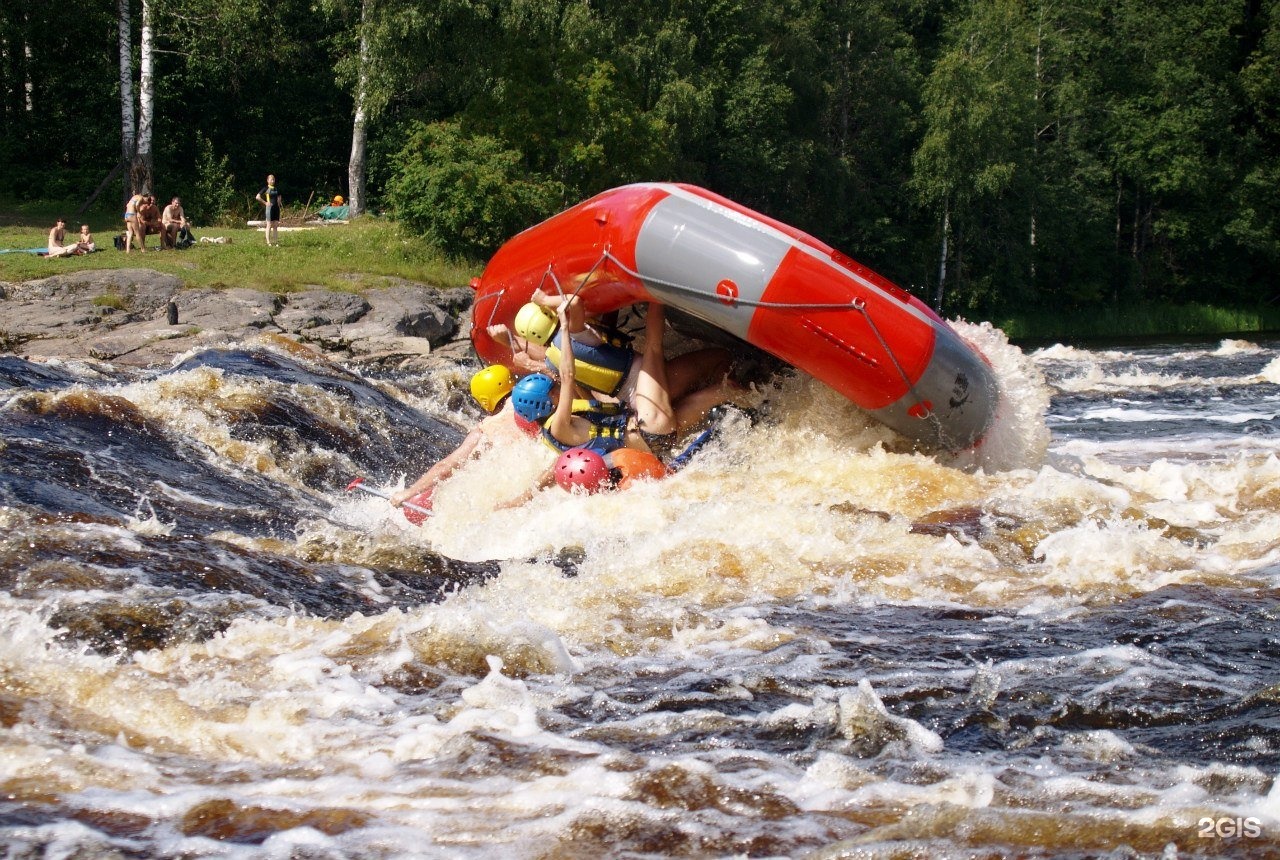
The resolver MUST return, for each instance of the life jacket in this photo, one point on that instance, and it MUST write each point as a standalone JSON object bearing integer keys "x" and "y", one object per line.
{"x": 608, "y": 427}
{"x": 601, "y": 368}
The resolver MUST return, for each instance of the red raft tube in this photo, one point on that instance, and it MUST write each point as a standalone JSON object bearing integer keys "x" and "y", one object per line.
{"x": 763, "y": 281}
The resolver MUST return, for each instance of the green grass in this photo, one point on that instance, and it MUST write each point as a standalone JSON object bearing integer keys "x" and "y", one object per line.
{"x": 364, "y": 254}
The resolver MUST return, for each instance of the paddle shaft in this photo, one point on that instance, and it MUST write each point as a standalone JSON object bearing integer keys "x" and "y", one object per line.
{"x": 358, "y": 484}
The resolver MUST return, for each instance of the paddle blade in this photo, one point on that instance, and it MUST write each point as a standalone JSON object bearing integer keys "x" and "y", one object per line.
{"x": 417, "y": 509}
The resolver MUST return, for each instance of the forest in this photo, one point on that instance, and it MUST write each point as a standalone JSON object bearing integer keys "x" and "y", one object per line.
{"x": 985, "y": 154}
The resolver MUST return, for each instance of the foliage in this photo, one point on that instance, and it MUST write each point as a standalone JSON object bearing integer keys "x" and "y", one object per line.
{"x": 1086, "y": 154}
{"x": 466, "y": 193}
{"x": 213, "y": 194}
{"x": 1154, "y": 319}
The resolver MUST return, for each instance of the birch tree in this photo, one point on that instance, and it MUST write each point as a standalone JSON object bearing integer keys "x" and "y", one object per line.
{"x": 128, "y": 116}
{"x": 977, "y": 101}
{"x": 143, "y": 162}
{"x": 136, "y": 121}
{"x": 360, "y": 121}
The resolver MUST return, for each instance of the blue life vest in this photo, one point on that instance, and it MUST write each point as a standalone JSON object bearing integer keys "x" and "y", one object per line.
{"x": 608, "y": 427}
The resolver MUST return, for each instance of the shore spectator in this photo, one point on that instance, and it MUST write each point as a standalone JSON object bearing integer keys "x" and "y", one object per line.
{"x": 172, "y": 220}
{"x": 269, "y": 197}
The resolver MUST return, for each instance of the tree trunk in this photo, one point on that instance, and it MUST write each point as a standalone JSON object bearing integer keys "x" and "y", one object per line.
{"x": 28, "y": 85}
{"x": 1035, "y": 138}
{"x": 1115, "y": 284}
{"x": 128, "y": 141}
{"x": 143, "y": 160}
{"x": 355, "y": 167}
{"x": 942, "y": 262}
{"x": 359, "y": 126}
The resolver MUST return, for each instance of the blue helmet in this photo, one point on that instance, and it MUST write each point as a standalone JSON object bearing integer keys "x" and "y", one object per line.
{"x": 531, "y": 397}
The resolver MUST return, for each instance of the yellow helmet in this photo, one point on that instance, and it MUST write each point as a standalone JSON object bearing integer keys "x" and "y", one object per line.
{"x": 337, "y": 200}
{"x": 535, "y": 323}
{"x": 490, "y": 385}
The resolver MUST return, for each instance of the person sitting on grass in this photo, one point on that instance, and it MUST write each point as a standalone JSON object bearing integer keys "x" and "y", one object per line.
{"x": 57, "y": 238}
{"x": 171, "y": 221}
{"x": 149, "y": 219}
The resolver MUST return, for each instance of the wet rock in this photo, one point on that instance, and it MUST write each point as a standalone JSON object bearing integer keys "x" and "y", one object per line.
{"x": 233, "y": 310}
{"x": 88, "y": 301}
{"x": 315, "y": 308}
{"x": 395, "y": 312}
{"x": 142, "y": 318}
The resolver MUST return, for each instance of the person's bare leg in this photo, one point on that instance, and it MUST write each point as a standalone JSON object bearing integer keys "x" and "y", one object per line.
{"x": 693, "y": 407}
{"x": 652, "y": 400}
{"x": 697, "y": 369}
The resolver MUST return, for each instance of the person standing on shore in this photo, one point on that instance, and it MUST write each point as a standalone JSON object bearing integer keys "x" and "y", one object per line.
{"x": 269, "y": 197}
{"x": 133, "y": 227}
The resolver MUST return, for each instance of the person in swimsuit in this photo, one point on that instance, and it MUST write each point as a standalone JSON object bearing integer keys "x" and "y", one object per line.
{"x": 172, "y": 220}
{"x": 57, "y": 238}
{"x": 133, "y": 226}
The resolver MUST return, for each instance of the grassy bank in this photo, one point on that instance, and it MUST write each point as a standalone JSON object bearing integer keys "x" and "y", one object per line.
{"x": 360, "y": 255}
{"x": 369, "y": 252}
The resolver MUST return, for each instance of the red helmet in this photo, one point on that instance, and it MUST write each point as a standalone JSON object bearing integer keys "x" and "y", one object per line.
{"x": 529, "y": 428}
{"x": 582, "y": 468}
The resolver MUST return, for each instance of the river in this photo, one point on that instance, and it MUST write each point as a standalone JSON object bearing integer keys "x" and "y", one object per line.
{"x": 811, "y": 642}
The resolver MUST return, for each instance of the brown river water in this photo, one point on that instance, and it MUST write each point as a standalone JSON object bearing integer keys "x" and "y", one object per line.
{"x": 811, "y": 643}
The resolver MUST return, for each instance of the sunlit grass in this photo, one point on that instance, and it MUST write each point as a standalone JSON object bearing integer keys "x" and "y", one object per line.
{"x": 364, "y": 254}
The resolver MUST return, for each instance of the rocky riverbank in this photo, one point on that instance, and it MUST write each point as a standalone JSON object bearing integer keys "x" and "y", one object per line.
{"x": 143, "y": 318}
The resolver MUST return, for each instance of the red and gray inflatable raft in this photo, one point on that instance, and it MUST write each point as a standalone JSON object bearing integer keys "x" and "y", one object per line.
{"x": 769, "y": 284}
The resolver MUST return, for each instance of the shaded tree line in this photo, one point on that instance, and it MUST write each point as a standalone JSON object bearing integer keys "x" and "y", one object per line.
{"x": 987, "y": 154}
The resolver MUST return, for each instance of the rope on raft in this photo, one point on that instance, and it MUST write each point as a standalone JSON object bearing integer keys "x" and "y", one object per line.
{"x": 858, "y": 304}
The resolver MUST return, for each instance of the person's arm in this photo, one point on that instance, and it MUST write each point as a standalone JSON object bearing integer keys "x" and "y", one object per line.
{"x": 577, "y": 315}
{"x": 526, "y": 357}
{"x": 561, "y": 421}
{"x": 442, "y": 469}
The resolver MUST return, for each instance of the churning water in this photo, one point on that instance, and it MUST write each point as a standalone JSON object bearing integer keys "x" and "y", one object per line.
{"x": 810, "y": 643}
